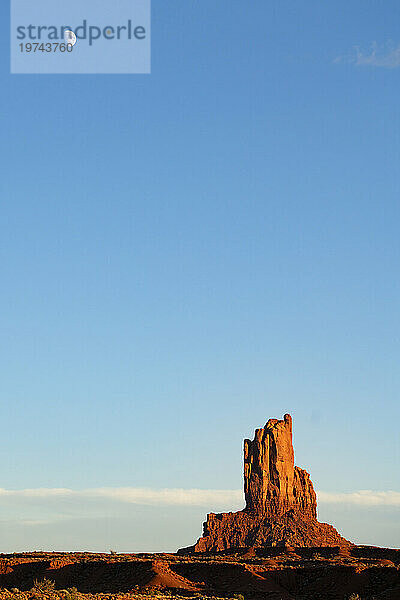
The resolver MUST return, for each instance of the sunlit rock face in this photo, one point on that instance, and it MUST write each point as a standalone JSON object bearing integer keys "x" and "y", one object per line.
{"x": 272, "y": 484}
{"x": 281, "y": 505}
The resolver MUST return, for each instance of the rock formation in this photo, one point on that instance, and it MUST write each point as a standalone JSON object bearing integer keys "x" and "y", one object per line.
{"x": 281, "y": 505}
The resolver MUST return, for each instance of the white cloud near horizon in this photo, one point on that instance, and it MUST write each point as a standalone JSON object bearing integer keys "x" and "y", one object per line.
{"x": 386, "y": 56}
{"x": 210, "y": 499}
{"x": 223, "y": 499}
{"x": 361, "y": 498}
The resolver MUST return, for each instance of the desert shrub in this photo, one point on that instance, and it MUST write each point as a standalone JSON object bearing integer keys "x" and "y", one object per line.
{"x": 354, "y": 597}
{"x": 238, "y": 596}
{"x": 44, "y": 586}
{"x": 72, "y": 594}
{"x": 153, "y": 592}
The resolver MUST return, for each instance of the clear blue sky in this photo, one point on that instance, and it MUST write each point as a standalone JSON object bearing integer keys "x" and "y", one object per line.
{"x": 188, "y": 253}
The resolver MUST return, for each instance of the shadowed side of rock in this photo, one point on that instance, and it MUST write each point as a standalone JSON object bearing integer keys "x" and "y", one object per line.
{"x": 281, "y": 505}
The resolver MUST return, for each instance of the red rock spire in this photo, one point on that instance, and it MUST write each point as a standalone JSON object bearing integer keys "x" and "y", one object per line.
{"x": 272, "y": 484}
{"x": 281, "y": 506}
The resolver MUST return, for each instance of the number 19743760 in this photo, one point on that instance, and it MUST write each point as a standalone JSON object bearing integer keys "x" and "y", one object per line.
{"x": 49, "y": 47}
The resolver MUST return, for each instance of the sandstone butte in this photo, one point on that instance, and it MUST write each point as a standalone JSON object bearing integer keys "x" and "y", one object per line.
{"x": 281, "y": 505}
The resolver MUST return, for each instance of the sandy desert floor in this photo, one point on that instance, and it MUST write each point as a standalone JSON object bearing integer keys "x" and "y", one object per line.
{"x": 367, "y": 573}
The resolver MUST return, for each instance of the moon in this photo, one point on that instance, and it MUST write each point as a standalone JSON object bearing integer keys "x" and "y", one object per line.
{"x": 69, "y": 37}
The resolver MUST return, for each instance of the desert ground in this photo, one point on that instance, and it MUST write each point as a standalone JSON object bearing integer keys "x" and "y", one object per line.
{"x": 361, "y": 572}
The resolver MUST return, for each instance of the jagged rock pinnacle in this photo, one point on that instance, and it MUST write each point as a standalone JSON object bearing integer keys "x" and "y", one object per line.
{"x": 272, "y": 484}
{"x": 281, "y": 505}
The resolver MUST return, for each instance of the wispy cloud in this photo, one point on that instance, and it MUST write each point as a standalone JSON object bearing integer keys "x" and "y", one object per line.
{"x": 147, "y": 496}
{"x": 210, "y": 499}
{"x": 361, "y": 498}
{"x": 385, "y": 55}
